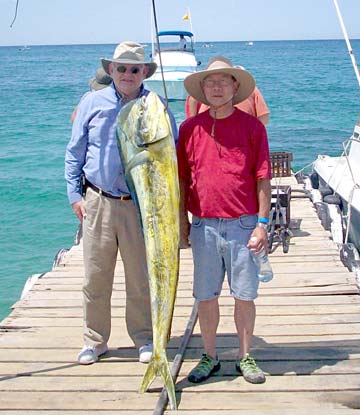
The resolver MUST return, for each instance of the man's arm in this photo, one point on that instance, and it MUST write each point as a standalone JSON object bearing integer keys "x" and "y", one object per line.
{"x": 184, "y": 219}
{"x": 75, "y": 157}
{"x": 261, "y": 109}
{"x": 184, "y": 183}
{"x": 173, "y": 126}
{"x": 191, "y": 106}
{"x": 264, "y": 198}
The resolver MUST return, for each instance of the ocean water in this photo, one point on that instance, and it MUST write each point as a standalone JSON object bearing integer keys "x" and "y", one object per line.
{"x": 309, "y": 86}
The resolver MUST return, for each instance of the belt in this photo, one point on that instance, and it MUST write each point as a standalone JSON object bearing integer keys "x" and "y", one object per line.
{"x": 101, "y": 192}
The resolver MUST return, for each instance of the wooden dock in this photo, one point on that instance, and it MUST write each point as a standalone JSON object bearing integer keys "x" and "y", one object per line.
{"x": 307, "y": 340}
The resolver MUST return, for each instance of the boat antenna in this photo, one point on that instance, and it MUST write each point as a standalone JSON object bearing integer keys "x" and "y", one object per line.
{"x": 351, "y": 53}
{"x": 189, "y": 18}
{"x": 16, "y": 10}
{"x": 158, "y": 47}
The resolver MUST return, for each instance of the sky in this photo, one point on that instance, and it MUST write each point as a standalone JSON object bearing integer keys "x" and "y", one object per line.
{"x": 51, "y": 22}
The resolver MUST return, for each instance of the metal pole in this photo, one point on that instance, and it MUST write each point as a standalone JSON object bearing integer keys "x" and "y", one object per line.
{"x": 352, "y": 56}
{"x": 163, "y": 399}
{"x": 159, "y": 52}
{"x": 152, "y": 28}
{"x": 191, "y": 28}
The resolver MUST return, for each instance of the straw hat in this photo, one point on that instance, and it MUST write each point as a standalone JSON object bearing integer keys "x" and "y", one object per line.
{"x": 101, "y": 80}
{"x": 219, "y": 64}
{"x": 129, "y": 53}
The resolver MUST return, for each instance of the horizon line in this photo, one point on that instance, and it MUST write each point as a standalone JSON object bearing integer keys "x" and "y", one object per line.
{"x": 197, "y": 41}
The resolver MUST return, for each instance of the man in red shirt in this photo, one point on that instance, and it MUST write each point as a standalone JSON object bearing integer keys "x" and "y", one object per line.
{"x": 224, "y": 173}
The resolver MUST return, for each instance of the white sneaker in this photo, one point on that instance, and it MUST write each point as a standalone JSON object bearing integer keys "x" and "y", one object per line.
{"x": 145, "y": 353}
{"x": 90, "y": 354}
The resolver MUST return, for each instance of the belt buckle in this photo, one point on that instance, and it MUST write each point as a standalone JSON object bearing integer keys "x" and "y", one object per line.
{"x": 124, "y": 197}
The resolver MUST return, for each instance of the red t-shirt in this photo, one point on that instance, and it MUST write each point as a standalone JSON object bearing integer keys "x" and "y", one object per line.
{"x": 221, "y": 173}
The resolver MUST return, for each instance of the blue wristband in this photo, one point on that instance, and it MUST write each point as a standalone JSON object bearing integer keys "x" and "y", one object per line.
{"x": 263, "y": 220}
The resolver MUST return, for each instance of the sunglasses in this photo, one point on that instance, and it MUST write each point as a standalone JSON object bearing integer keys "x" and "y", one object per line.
{"x": 133, "y": 69}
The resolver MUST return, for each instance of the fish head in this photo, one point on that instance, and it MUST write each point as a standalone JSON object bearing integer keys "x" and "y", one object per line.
{"x": 151, "y": 119}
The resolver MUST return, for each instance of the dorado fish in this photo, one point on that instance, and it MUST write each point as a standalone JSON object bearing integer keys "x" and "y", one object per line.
{"x": 147, "y": 152}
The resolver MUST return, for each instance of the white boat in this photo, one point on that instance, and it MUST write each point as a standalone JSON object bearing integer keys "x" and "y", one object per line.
{"x": 334, "y": 188}
{"x": 177, "y": 62}
{"x": 338, "y": 180}
{"x": 23, "y": 48}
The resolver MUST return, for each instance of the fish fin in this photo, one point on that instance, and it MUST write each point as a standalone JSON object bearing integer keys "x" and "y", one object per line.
{"x": 160, "y": 366}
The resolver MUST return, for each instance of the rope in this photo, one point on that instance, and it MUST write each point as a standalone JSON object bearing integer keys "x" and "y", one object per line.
{"x": 348, "y": 215}
{"x": 347, "y": 158}
{"x": 304, "y": 168}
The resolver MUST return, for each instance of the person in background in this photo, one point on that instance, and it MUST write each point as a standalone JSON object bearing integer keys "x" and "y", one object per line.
{"x": 253, "y": 104}
{"x": 182, "y": 42}
{"x": 224, "y": 175}
{"x": 101, "y": 80}
{"x": 101, "y": 200}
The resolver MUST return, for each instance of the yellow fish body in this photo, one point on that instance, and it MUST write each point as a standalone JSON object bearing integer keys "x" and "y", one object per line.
{"x": 147, "y": 151}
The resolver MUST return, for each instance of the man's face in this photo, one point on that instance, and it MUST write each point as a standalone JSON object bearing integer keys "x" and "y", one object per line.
{"x": 219, "y": 88}
{"x": 128, "y": 77}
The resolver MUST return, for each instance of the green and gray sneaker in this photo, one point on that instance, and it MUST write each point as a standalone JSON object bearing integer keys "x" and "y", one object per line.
{"x": 204, "y": 369}
{"x": 250, "y": 370}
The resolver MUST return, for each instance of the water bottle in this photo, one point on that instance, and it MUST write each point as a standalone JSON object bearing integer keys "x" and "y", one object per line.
{"x": 265, "y": 273}
{"x": 264, "y": 270}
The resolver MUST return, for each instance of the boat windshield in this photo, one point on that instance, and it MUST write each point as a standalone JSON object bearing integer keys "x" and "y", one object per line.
{"x": 176, "y": 41}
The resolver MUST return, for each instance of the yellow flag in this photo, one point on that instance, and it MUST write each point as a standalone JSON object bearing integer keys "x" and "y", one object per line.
{"x": 186, "y": 16}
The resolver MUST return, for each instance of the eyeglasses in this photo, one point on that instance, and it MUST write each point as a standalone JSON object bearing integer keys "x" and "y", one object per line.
{"x": 210, "y": 83}
{"x": 134, "y": 69}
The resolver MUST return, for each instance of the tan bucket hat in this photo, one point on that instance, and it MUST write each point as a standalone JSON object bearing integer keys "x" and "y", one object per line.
{"x": 129, "y": 53}
{"x": 220, "y": 64}
{"x": 101, "y": 80}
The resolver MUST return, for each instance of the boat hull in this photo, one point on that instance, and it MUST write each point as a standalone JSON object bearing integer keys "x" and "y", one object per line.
{"x": 334, "y": 173}
{"x": 175, "y": 90}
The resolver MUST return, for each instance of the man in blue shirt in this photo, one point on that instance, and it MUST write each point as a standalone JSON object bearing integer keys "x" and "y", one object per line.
{"x": 103, "y": 204}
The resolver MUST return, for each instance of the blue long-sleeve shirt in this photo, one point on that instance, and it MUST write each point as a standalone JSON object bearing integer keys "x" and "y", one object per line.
{"x": 93, "y": 149}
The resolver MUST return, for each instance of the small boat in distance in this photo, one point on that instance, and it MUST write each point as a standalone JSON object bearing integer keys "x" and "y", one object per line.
{"x": 177, "y": 60}
{"x": 24, "y": 48}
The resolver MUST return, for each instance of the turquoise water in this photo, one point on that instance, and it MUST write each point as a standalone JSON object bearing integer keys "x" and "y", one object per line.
{"x": 309, "y": 86}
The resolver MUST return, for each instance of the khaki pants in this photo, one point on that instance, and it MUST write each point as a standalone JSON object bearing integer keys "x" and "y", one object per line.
{"x": 111, "y": 225}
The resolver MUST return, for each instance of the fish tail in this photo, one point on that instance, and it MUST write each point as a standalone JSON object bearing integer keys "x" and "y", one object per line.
{"x": 160, "y": 366}
{"x": 149, "y": 376}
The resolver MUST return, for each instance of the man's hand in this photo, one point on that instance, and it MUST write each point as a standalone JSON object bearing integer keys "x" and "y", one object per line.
{"x": 79, "y": 210}
{"x": 258, "y": 240}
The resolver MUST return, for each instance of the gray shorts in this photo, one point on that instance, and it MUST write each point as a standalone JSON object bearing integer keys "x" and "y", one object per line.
{"x": 219, "y": 245}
